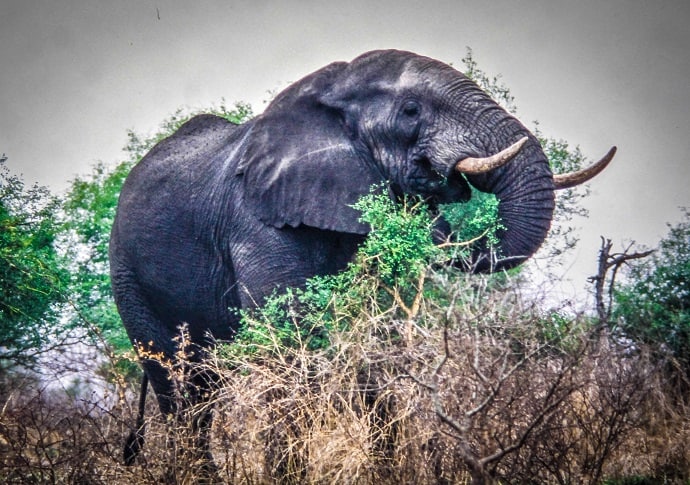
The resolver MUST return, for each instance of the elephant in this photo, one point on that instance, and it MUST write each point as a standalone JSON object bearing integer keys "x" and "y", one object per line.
{"x": 218, "y": 216}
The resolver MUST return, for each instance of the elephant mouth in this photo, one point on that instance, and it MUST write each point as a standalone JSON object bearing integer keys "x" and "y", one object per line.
{"x": 437, "y": 187}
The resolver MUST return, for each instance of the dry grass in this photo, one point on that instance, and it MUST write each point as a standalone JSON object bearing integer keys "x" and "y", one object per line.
{"x": 470, "y": 390}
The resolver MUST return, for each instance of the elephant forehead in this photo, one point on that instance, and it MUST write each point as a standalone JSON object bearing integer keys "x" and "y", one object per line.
{"x": 427, "y": 75}
{"x": 410, "y": 78}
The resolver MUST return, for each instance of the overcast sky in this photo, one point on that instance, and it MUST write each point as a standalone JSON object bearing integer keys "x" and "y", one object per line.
{"x": 75, "y": 75}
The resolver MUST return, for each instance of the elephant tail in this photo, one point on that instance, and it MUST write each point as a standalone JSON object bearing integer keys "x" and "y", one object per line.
{"x": 135, "y": 440}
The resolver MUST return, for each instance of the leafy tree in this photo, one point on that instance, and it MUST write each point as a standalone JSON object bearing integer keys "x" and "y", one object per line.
{"x": 89, "y": 210}
{"x": 399, "y": 245}
{"x": 654, "y": 307}
{"x": 32, "y": 276}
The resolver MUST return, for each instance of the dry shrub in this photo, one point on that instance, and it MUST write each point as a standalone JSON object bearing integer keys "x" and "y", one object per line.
{"x": 660, "y": 447}
{"x": 477, "y": 389}
{"x": 47, "y": 436}
{"x": 470, "y": 384}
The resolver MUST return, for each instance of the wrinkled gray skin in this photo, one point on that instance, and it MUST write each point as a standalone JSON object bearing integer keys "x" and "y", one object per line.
{"x": 219, "y": 215}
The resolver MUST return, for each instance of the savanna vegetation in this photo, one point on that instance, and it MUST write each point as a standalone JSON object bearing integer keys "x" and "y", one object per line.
{"x": 401, "y": 369}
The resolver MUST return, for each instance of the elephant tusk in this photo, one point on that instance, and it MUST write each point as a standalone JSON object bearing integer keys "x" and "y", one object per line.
{"x": 568, "y": 180}
{"x": 474, "y": 166}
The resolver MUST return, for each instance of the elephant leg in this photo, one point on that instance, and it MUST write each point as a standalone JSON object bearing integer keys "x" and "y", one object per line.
{"x": 200, "y": 386}
{"x": 135, "y": 441}
{"x": 150, "y": 339}
{"x": 190, "y": 428}
{"x": 181, "y": 386}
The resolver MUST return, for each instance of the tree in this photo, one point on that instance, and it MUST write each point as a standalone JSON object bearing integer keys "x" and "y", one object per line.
{"x": 654, "y": 307}
{"x": 32, "y": 276}
{"x": 89, "y": 210}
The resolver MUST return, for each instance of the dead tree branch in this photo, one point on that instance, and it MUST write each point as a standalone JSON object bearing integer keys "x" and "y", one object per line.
{"x": 610, "y": 263}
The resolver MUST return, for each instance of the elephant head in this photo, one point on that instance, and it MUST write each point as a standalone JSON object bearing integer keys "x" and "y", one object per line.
{"x": 414, "y": 123}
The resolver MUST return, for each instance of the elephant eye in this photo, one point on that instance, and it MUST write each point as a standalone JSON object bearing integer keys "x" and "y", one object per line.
{"x": 411, "y": 109}
{"x": 408, "y": 121}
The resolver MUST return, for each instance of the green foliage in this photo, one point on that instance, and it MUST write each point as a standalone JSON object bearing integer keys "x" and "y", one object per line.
{"x": 387, "y": 275}
{"x": 89, "y": 210}
{"x": 280, "y": 322}
{"x": 389, "y": 265}
{"x": 32, "y": 276}
{"x": 476, "y": 218}
{"x": 399, "y": 244}
{"x": 654, "y": 307}
{"x": 238, "y": 114}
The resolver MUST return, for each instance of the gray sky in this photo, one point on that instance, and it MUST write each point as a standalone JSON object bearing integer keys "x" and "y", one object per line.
{"x": 75, "y": 75}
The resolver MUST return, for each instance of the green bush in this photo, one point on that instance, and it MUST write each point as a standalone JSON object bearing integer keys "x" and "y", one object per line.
{"x": 399, "y": 245}
{"x": 476, "y": 218}
{"x": 654, "y": 307}
{"x": 388, "y": 271}
{"x": 32, "y": 273}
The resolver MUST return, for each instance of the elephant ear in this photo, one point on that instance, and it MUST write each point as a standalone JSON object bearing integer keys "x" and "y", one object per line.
{"x": 299, "y": 165}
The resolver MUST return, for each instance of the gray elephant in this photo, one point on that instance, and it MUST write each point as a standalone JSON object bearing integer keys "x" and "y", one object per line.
{"x": 219, "y": 215}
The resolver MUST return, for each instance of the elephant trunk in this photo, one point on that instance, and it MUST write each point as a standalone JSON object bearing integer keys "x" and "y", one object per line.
{"x": 525, "y": 190}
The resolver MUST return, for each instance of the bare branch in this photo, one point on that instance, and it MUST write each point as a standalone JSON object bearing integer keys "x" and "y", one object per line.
{"x": 607, "y": 260}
